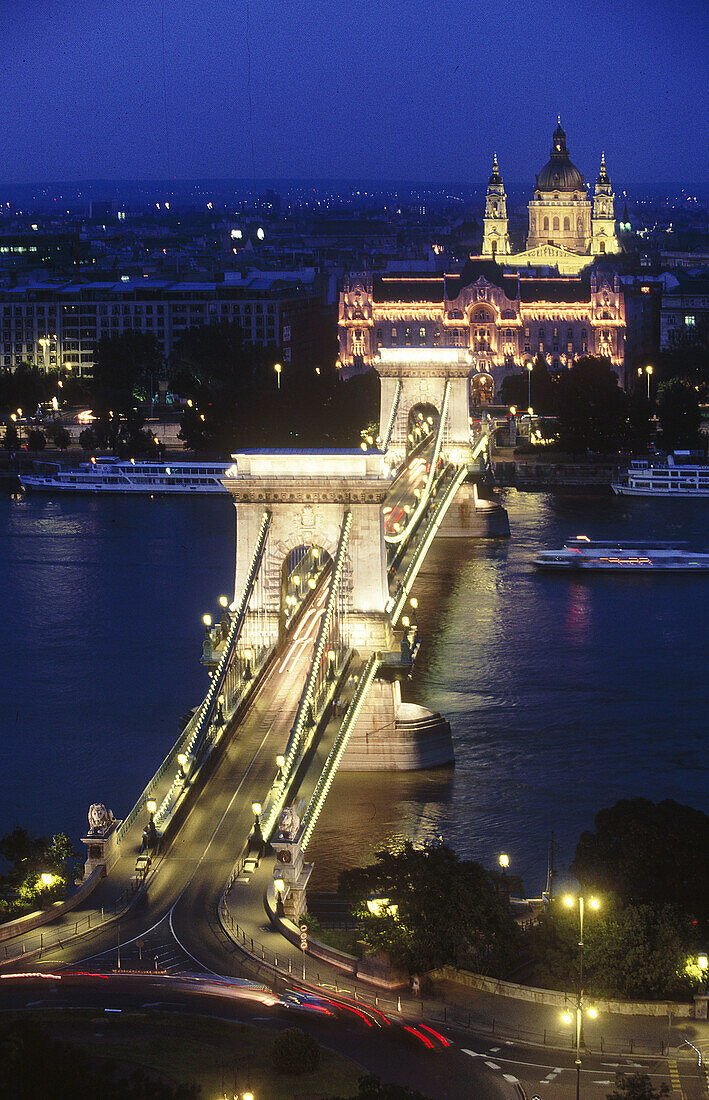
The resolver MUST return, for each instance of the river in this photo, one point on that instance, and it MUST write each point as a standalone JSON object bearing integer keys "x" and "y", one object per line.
{"x": 564, "y": 693}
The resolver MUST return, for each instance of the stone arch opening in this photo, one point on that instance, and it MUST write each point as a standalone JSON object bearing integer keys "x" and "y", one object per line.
{"x": 422, "y": 422}
{"x": 482, "y": 389}
{"x": 301, "y": 568}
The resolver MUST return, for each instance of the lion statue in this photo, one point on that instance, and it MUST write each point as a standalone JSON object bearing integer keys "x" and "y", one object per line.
{"x": 99, "y": 818}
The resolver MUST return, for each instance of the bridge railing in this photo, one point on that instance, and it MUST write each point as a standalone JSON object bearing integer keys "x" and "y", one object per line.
{"x": 385, "y": 439}
{"x": 399, "y": 536}
{"x": 304, "y": 716}
{"x": 190, "y": 740}
{"x": 329, "y": 771}
{"x": 397, "y": 601}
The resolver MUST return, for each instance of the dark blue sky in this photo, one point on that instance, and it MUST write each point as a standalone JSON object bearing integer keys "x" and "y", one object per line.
{"x": 381, "y": 89}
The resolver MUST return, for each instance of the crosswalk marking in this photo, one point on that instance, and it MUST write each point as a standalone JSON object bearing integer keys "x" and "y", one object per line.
{"x": 674, "y": 1077}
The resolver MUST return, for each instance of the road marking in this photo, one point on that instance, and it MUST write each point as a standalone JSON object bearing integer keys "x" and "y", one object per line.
{"x": 492, "y": 1065}
{"x": 674, "y": 1077}
{"x": 472, "y": 1053}
{"x": 509, "y": 1077}
{"x": 494, "y": 1050}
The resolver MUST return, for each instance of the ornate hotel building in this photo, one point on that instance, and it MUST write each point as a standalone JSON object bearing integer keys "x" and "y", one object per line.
{"x": 498, "y": 309}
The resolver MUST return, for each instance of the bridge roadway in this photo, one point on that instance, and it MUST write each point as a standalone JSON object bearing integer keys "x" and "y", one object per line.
{"x": 190, "y": 876}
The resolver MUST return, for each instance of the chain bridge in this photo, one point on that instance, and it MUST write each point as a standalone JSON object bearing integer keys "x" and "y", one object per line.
{"x": 305, "y": 663}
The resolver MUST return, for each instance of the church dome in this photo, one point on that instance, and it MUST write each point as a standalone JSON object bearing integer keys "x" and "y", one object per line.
{"x": 559, "y": 174}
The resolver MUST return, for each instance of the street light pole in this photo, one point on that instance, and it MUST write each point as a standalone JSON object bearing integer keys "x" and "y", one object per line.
{"x": 569, "y": 902}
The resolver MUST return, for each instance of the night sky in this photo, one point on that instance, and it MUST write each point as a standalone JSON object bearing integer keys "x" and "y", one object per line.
{"x": 402, "y": 89}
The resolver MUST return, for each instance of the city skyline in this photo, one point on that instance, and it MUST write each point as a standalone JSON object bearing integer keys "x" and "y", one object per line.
{"x": 266, "y": 91}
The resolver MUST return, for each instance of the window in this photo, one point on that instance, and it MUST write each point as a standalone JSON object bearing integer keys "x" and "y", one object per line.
{"x": 541, "y": 334}
{"x": 508, "y": 334}
{"x": 569, "y": 333}
{"x": 567, "y": 225}
{"x": 556, "y": 332}
{"x": 422, "y": 332}
{"x": 393, "y": 335}
{"x": 583, "y": 334}
{"x": 546, "y": 224}
{"x": 556, "y": 224}
{"x": 526, "y": 330}
{"x": 379, "y": 336}
{"x": 690, "y": 320}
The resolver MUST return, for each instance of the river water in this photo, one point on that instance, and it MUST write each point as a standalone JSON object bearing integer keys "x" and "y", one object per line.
{"x": 564, "y": 694}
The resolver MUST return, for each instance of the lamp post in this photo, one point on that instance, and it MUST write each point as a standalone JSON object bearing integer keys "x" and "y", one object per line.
{"x": 279, "y": 886}
{"x": 278, "y": 368}
{"x": 530, "y": 368}
{"x": 648, "y": 372}
{"x": 568, "y": 1017}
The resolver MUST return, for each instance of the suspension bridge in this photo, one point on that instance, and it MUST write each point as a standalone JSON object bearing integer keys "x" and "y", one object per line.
{"x": 305, "y": 662}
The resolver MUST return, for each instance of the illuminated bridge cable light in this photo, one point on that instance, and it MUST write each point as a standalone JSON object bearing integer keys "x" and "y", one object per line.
{"x": 332, "y": 763}
{"x": 307, "y": 699}
{"x": 207, "y": 709}
{"x": 386, "y": 438}
{"x": 422, "y": 548}
{"x": 414, "y": 517}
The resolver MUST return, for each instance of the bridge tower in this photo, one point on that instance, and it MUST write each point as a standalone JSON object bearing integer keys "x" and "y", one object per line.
{"x": 307, "y": 494}
{"x": 418, "y": 376}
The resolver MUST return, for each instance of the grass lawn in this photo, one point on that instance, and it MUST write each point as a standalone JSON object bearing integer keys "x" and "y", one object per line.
{"x": 215, "y": 1054}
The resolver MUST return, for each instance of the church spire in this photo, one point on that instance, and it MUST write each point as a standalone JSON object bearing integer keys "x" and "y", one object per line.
{"x": 495, "y": 178}
{"x": 603, "y": 179}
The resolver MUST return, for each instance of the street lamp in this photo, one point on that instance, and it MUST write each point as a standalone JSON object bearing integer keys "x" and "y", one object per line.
{"x": 504, "y": 861}
{"x": 279, "y": 886}
{"x": 648, "y": 372}
{"x": 47, "y": 878}
{"x": 530, "y": 368}
{"x": 570, "y": 902}
{"x": 278, "y": 368}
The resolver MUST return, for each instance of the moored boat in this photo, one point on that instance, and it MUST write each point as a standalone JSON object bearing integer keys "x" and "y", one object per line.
{"x": 669, "y": 477}
{"x": 113, "y": 475}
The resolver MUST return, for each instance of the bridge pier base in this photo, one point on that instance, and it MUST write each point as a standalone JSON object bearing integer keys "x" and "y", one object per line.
{"x": 472, "y": 516}
{"x": 394, "y": 736}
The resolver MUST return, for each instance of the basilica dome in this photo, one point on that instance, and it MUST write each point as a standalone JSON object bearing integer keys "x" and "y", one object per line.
{"x": 559, "y": 174}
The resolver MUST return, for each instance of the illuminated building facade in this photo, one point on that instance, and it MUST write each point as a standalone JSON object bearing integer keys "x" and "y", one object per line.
{"x": 503, "y": 318}
{"x": 566, "y": 229}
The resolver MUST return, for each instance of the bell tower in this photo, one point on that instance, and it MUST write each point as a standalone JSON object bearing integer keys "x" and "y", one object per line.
{"x": 496, "y": 240}
{"x": 604, "y": 239}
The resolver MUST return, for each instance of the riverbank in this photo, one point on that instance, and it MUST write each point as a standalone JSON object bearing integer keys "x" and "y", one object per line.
{"x": 549, "y": 472}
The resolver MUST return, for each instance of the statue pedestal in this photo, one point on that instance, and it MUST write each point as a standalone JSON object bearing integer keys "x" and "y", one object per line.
{"x": 100, "y": 843}
{"x": 295, "y": 872}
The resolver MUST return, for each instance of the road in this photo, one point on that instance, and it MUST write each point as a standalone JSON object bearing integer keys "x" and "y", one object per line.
{"x": 390, "y": 1051}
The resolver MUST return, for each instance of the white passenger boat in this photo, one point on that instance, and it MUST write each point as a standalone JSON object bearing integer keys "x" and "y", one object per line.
{"x": 112, "y": 475}
{"x": 607, "y": 555}
{"x": 670, "y": 477}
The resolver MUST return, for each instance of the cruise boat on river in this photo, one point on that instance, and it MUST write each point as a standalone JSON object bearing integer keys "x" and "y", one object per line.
{"x": 670, "y": 477}
{"x": 113, "y": 475}
{"x": 607, "y": 555}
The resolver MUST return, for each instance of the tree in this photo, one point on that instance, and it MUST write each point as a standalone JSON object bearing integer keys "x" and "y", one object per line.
{"x": 592, "y": 410}
{"x": 636, "y": 1086}
{"x": 11, "y": 439}
{"x": 440, "y": 910}
{"x": 649, "y": 854}
{"x": 517, "y": 389}
{"x": 125, "y": 368}
{"x": 36, "y": 440}
{"x": 29, "y": 857}
{"x": 59, "y": 436}
{"x": 678, "y": 413}
{"x": 294, "y": 1051}
{"x": 88, "y": 440}
{"x": 640, "y": 953}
